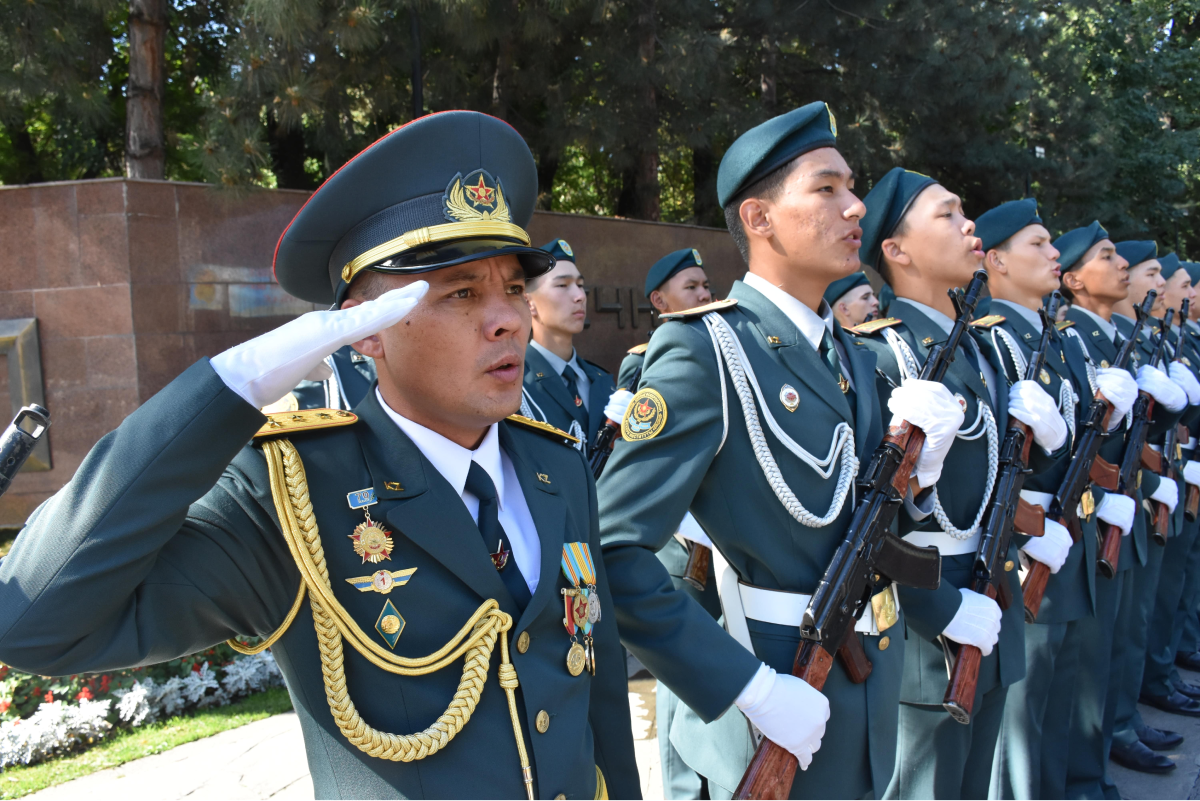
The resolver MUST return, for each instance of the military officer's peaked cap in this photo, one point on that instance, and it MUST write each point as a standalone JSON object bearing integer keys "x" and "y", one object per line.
{"x": 767, "y": 147}
{"x": 666, "y": 267}
{"x": 1136, "y": 251}
{"x": 1170, "y": 265}
{"x": 887, "y": 203}
{"x": 998, "y": 224}
{"x": 843, "y": 285}
{"x": 442, "y": 190}
{"x": 560, "y": 249}
{"x": 1073, "y": 245}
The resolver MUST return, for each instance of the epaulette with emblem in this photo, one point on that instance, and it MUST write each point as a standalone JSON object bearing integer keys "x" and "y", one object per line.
{"x": 871, "y": 326}
{"x": 543, "y": 428}
{"x": 288, "y": 423}
{"x": 700, "y": 311}
{"x": 988, "y": 322}
{"x": 638, "y": 350}
{"x": 1064, "y": 325}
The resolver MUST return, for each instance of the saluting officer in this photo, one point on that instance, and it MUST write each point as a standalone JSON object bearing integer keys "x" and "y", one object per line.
{"x": 916, "y": 235}
{"x": 561, "y": 388}
{"x": 748, "y": 415}
{"x": 852, "y": 300}
{"x": 424, "y": 660}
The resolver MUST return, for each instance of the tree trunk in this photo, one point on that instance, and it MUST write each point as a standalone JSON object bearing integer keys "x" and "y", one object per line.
{"x": 704, "y": 189}
{"x": 27, "y": 169}
{"x": 645, "y": 170}
{"x": 547, "y": 166}
{"x": 145, "y": 156}
{"x": 767, "y": 81}
{"x": 502, "y": 75}
{"x": 418, "y": 74}
{"x": 287, "y": 156}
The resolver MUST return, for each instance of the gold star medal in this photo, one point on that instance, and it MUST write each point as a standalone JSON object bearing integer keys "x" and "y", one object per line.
{"x": 371, "y": 541}
{"x": 582, "y": 605}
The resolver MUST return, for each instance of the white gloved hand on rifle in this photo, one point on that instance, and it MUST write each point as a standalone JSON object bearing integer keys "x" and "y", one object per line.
{"x": 1030, "y": 404}
{"x": 931, "y": 407}
{"x": 1167, "y": 494}
{"x": 1159, "y": 386}
{"x": 618, "y": 404}
{"x": 1117, "y": 510}
{"x": 1052, "y": 547}
{"x": 269, "y": 366}
{"x": 1184, "y": 378}
{"x": 1119, "y": 389}
{"x": 1191, "y": 473}
{"x": 977, "y": 622}
{"x": 787, "y": 710}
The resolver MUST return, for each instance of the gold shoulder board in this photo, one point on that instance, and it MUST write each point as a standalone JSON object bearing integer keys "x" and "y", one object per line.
{"x": 288, "y": 423}
{"x": 638, "y": 350}
{"x": 544, "y": 428}
{"x": 989, "y": 321}
{"x": 1064, "y": 325}
{"x": 700, "y": 311}
{"x": 871, "y": 326}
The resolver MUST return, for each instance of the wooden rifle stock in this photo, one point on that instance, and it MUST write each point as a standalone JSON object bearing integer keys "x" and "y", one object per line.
{"x": 959, "y": 699}
{"x": 1162, "y": 517}
{"x": 696, "y": 571}
{"x": 1105, "y": 474}
{"x": 1191, "y": 502}
{"x": 1110, "y": 552}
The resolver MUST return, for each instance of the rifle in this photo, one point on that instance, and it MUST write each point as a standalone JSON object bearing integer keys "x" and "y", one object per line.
{"x": 990, "y": 559}
{"x": 1086, "y": 467}
{"x": 18, "y": 441}
{"x": 607, "y": 437}
{"x": 869, "y": 555}
{"x": 1133, "y": 457}
{"x": 1191, "y": 502}
{"x": 695, "y": 572}
{"x": 1163, "y": 462}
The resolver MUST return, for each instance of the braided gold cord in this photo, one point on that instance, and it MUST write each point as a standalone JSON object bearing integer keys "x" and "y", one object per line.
{"x": 251, "y": 650}
{"x": 475, "y": 641}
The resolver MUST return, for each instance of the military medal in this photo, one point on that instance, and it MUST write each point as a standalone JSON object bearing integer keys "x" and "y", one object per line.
{"x": 1045, "y": 376}
{"x": 582, "y": 605}
{"x": 789, "y": 397}
{"x": 500, "y": 557}
{"x": 382, "y": 581}
{"x": 371, "y": 541}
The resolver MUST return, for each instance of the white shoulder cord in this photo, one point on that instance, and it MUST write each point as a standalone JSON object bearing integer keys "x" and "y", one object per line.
{"x": 576, "y": 431}
{"x": 528, "y": 407}
{"x": 907, "y": 362}
{"x": 1067, "y": 399}
{"x": 746, "y": 385}
{"x": 1014, "y": 350}
{"x": 1091, "y": 370}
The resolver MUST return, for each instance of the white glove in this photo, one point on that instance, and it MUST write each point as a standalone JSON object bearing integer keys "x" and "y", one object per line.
{"x": 1117, "y": 510}
{"x": 1191, "y": 473}
{"x": 271, "y": 365}
{"x": 1167, "y": 493}
{"x": 1052, "y": 547}
{"x": 977, "y": 622}
{"x": 787, "y": 710}
{"x": 1118, "y": 388}
{"x": 1159, "y": 386}
{"x": 931, "y": 407}
{"x": 1030, "y": 404}
{"x": 689, "y": 529}
{"x": 618, "y": 404}
{"x": 1184, "y": 378}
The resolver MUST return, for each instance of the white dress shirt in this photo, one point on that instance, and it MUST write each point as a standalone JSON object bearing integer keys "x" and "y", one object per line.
{"x": 558, "y": 365}
{"x": 1029, "y": 315}
{"x": 453, "y": 461}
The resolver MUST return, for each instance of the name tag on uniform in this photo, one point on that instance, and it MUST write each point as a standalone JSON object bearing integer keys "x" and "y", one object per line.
{"x": 360, "y": 499}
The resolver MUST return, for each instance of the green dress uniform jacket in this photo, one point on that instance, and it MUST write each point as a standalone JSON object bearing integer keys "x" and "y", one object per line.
{"x": 1187, "y": 621}
{"x": 702, "y": 460}
{"x": 166, "y": 541}
{"x": 635, "y": 357}
{"x": 549, "y": 401}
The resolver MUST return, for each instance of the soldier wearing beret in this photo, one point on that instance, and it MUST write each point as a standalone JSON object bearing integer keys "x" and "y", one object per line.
{"x": 409, "y": 562}
{"x": 562, "y": 389}
{"x": 776, "y": 505}
{"x": 916, "y": 235}
{"x": 1022, "y": 266}
{"x": 1187, "y": 624}
{"x": 852, "y": 300}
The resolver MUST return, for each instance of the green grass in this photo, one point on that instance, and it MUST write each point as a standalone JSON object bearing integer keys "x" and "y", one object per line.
{"x": 143, "y": 741}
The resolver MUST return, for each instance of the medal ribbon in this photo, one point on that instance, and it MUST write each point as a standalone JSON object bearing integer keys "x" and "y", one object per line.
{"x": 577, "y": 564}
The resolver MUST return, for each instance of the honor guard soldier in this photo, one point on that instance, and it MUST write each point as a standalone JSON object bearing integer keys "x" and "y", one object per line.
{"x": 916, "y": 235}
{"x": 426, "y": 648}
{"x": 852, "y": 300}
{"x": 1022, "y": 266}
{"x": 561, "y": 388}
{"x": 1187, "y": 624}
{"x": 747, "y": 414}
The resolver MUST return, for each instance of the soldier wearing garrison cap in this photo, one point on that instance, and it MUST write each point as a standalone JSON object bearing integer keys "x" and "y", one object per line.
{"x": 775, "y": 507}
{"x": 852, "y": 300}
{"x": 561, "y": 387}
{"x": 409, "y": 561}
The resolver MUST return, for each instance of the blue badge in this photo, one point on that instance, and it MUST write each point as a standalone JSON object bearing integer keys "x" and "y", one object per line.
{"x": 360, "y": 499}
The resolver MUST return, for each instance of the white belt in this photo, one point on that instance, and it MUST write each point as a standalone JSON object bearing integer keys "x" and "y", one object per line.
{"x": 946, "y": 545}
{"x": 1042, "y": 499}
{"x": 787, "y": 608}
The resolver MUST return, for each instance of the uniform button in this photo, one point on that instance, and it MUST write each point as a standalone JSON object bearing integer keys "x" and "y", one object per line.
{"x": 523, "y": 642}
{"x": 884, "y": 642}
{"x": 542, "y": 722}
{"x": 1008, "y": 566}
{"x": 560, "y": 797}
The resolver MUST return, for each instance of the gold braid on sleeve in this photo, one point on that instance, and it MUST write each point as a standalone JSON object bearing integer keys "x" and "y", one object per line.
{"x": 474, "y": 642}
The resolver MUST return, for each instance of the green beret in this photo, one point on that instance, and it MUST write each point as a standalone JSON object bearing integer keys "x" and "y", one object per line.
{"x": 560, "y": 250}
{"x": 1170, "y": 265}
{"x": 767, "y": 147}
{"x": 1002, "y": 222}
{"x": 669, "y": 265}
{"x": 1193, "y": 269}
{"x": 887, "y": 203}
{"x": 1136, "y": 251}
{"x": 444, "y": 189}
{"x": 843, "y": 285}
{"x": 1072, "y": 245}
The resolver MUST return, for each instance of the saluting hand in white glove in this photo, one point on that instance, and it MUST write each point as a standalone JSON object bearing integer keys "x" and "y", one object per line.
{"x": 269, "y": 366}
{"x": 1030, "y": 404}
{"x": 931, "y": 407}
{"x": 787, "y": 710}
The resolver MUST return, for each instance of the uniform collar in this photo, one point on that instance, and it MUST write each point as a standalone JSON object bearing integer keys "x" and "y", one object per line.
{"x": 1105, "y": 326}
{"x": 812, "y": 326}
{"x": 936, "y": 317}
{"x": 557, "y": 362}
{"x": 1028, "y": 315}
{"x": 449, "y": 458}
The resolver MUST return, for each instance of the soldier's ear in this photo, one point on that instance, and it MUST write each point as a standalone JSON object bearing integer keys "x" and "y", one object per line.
{"x": 755, "y": 219}
{"x": 656, "y": 300}
{"x": 371, "y": 346}
{"x": 994, "y": 262}
{"x": 894, "y": 253}
{"x": 532, "y": 306}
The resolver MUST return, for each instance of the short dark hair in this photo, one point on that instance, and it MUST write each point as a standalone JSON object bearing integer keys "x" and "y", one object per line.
{"x": 367, "y": 285}
{"x": 766, "y": 188}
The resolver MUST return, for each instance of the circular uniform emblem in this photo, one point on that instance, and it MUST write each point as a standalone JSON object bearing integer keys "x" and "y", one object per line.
{"x": 789, "y": 397}
{"x": 645, "y": 417}
{"x": 696, "y": 257}
{"x": 579, "y": 610}
{"x": 576, "y": 659}
{"x": 382, "y": 581}
{"x": 593, "y": 607}
{"x": 565, "y": 248}
{"x": 961, "y": 401}
{"x": 1045, "y": 376}
{"x": 390, "y": 624}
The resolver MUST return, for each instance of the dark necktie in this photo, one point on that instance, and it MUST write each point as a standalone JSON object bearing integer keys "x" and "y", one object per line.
{"x": 480, "y": 484}
{"x": 833, "y": 364}
{"x": 577, "y": 410}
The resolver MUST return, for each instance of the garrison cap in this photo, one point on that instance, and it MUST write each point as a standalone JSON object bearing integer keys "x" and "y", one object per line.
{"x": 1136, "y": 251}
{"x": 1073, "y": 245}
{"x": 843, "y": 285}
{"x": 998, "y": 224}
{"x": 767, "y": 147}
{"x": 1170, "y": 265}
{"x": 560, "y": 249}
{"x": 669, "y": 265}
{"x": 887, "y": 203}
{"x": 444, "y": 189}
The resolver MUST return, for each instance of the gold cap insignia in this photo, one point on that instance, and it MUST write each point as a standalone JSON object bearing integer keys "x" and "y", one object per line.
{"x": 477, "y": 198}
